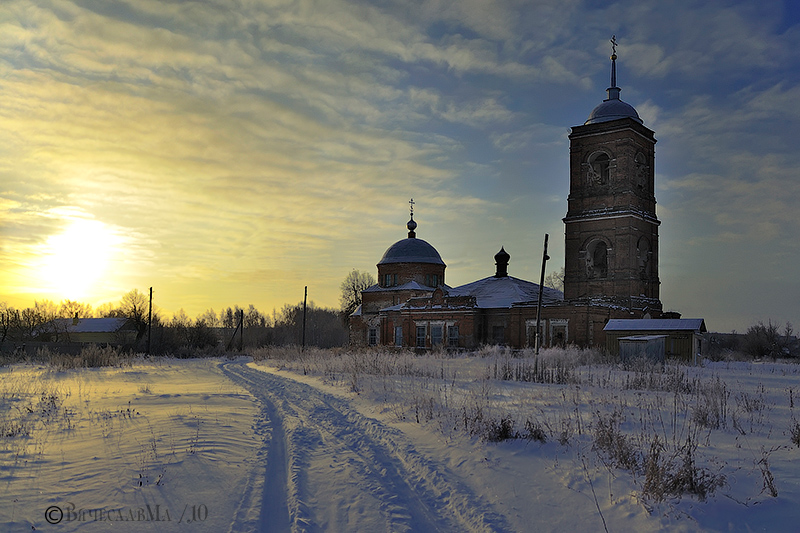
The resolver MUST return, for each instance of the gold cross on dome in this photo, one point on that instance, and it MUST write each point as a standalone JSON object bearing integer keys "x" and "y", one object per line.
{"x": 411, "y": 202}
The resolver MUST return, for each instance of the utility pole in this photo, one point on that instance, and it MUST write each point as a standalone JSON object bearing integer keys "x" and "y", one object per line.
{"x": 305, "y": 297}
{"x": 241, "y": 333}
{"x": 150, "y": 321}
{"x": 545, "y": 257}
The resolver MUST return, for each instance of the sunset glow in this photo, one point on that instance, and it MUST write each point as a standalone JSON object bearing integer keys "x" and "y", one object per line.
{"x": 75, "y": 262}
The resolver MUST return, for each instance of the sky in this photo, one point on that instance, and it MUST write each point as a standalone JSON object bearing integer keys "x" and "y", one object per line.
{"x": 233, "y": 152}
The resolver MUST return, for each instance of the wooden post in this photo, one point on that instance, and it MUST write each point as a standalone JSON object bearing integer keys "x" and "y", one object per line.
{"x": 150, "y": 321}
{"x": 305, "y": 298}
{"x": 545, "y": 257}
{"x": 241, "y": 334}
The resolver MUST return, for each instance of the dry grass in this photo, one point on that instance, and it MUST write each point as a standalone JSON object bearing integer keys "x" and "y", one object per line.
{"x": 654, "y": 421}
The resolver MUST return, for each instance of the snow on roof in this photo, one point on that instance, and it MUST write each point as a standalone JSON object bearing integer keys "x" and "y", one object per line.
{"x": 411, "y": 285}
{"x": 411, "y": 250}
{"x": 493, "y": 292}
{"x": 91, "y": 325}
{"x": 657, "y": 324}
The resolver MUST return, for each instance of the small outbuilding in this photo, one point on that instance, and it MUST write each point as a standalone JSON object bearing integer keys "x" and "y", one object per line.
{"x": 115, "y": 331}
{"x": 649, "y": 347}
{"x": 683, "y": 337}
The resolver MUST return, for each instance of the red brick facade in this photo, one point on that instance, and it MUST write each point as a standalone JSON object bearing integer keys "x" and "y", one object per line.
{"x": 611, "y": 259}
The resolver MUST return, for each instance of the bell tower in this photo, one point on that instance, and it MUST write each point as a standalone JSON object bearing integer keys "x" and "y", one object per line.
{"x": 611, "y": 229}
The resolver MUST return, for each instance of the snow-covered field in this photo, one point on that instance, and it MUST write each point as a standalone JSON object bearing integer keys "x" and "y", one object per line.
{"x": 381, "y": 441}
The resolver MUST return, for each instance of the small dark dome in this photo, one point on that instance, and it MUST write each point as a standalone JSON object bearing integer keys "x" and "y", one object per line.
{"x": 502, "y": 256}
{"x": 501, "y": 259}
{"x": 411, "y": 250}
{"x": 613, "y": 109}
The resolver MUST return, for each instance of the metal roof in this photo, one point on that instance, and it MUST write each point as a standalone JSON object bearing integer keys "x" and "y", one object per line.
{"x": 656, "y": 324}
{"x": 409, "y": 286}
{"x": 494, "y": 292}
{"x": 411, "y": 250}
{"x": 91, "y": 325}
{"x": 613, "y": 109}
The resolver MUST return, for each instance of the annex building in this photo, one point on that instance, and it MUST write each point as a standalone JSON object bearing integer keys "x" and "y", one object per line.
{"x": 610, "y": 270}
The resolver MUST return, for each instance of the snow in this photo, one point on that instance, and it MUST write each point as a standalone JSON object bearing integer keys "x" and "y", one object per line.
{"x": 326, "y": 441}
{"x": 494, "y": 292}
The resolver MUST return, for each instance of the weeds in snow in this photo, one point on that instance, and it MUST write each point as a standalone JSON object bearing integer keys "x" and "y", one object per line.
{"x": 655, "y": 421}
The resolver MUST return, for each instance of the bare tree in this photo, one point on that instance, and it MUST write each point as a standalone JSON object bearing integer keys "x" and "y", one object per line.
{"x": 71, "y": 309}
{"x": 134, "y": 305}
{"x": 355, "y": 282}
{"x": 209, "y": 318}
{"x": 8, "y": 318}
{"x": 253, "y": 318}
{"x": 555, "y": 280}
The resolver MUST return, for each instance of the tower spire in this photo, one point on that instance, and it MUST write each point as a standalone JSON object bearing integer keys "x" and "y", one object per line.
{"x": 411, "y": 224}
{"x": 613, "y": 91}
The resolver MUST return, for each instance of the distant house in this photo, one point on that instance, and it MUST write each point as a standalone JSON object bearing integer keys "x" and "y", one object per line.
{"x": 91, "y": 330}
{"x": 683, "y": 337}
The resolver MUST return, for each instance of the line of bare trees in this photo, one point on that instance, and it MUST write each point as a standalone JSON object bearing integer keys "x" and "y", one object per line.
{"x": 181, "y": 335}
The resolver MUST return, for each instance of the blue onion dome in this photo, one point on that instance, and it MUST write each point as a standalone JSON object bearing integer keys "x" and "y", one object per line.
{"x": 411, "y": 250}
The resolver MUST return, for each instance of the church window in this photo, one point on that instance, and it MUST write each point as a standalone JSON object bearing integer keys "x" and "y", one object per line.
{"x": 599, "y": 169}
{"x": 398, "y": 335}
{"x": 597, "y": 260}
{"x": 498, "y": 335}
{"x": 641, "y": 170}
{"x": 643, "y": 256}
{"x": 452, "y": 336}
{"x": 436, "y": 335}
{"x": 373, "y": 336}
{"x": 420, "y": 336}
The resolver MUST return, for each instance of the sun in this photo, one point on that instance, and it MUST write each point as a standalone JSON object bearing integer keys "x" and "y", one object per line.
{"x": 76, "y": 260}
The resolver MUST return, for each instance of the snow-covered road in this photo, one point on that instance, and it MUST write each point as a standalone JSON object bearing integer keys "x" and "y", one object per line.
{"x": 329, "y": 468}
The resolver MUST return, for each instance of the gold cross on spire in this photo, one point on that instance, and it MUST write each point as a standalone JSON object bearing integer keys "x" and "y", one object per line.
{"x": 613, "y": 45}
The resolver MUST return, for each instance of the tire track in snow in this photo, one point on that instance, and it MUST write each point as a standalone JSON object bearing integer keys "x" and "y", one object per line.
{"x": 268, "y": 481}
{"x": 380, "y": 474}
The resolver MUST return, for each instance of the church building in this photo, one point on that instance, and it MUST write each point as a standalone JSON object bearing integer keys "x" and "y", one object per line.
{"x": 610, "y": 269}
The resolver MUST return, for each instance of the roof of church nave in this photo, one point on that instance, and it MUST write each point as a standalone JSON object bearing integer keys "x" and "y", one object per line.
{"x": 612, "y": 107}
{"x": 411, "y": 250}
{"x": 498, "y": 291}
{"x": 494, "y": 292}
{"x": 410, "y": 286}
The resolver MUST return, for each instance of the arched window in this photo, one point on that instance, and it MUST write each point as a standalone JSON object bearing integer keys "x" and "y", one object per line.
{"x": 642, "y": 170}
{"x": 597, "y": 260}
{"x": 643, "y": 255}
{"x": 599, "y": 169}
